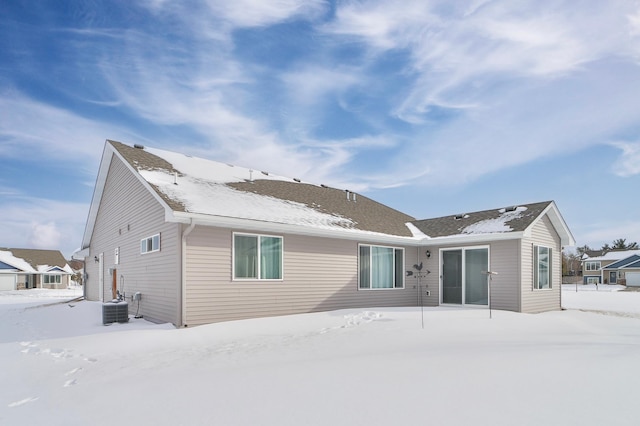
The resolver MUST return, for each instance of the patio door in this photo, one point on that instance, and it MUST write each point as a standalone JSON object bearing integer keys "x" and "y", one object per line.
{"x": 463, "y": 273}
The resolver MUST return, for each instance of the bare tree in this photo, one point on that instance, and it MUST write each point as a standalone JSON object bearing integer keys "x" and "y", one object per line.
{"x": 582, "y": 250}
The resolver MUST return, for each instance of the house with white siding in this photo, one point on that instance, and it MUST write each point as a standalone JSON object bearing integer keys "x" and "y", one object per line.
{"x": 203, "y": 242}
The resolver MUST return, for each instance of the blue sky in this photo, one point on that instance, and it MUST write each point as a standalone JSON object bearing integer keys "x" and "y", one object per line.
{"x": 431, "y": 107}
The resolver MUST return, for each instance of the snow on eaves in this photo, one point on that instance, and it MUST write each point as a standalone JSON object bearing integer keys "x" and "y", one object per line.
{"x": 495, "y": 225}
{"x": 18, "y": 263}
{"x": 416, "y": 232}
{"x": 54, "y": 269}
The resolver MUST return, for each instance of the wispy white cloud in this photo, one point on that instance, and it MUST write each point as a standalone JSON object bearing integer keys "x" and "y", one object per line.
{"x": 604, "y": 232}
{"x": 628, "y": 163}
{"x": 39, "y": 131}
{"x": 515, "y": 81}
{"x": 45, "y": 236}
{"x": 309, "y": 86}
{"x": 42, "y": 223}
{"x": 476, "y": 86}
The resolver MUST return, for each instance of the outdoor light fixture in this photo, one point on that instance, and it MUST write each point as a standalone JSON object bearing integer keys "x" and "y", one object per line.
{"x": 95, "y": 259}
{"x": 428, "y": 253}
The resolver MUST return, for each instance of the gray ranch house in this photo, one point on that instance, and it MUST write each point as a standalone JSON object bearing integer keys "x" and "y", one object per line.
{"x": 203, "y": 242}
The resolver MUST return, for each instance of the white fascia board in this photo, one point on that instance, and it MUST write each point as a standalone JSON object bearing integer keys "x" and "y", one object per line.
{"x": 346, "y": 234}
{"x": 566, "y": 237}
{"x": 283, "y": 228}
{"x": 80, "y": 254}
{"x": 107, "y": 157}
{"x": 465, "y": 239}
{"x": 98, "y": 189}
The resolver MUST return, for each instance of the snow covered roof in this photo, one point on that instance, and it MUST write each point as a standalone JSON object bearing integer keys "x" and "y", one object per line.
{"x": 197, "y": 190}
{"x": 632, "y": 261}
{"x": 612, "y": 255}
{"x": 503, "y": 221}
{"x": 203, "y": 187}
{"x": 35, "y": 261}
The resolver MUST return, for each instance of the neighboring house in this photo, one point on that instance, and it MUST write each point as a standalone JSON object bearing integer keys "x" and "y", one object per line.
{"x": 599, "y": 268}
{"x": 204, "y": 241}
{"x": 27, "y": 268}
{"x": 625, "y": 271}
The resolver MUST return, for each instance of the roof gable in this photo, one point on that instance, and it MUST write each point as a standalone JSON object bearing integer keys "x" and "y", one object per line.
{"x": 6, "y": 266}
{"x": 633, "y": 265}
{"x": 622, "y": 263}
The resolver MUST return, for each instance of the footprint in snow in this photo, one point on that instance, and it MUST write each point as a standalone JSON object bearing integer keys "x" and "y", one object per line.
{"x": 91, "y": 360}
{"x": 70, "y": 383}
{"x": 74, "y": 371}
{"x": 23, "y": 401}
{"x": 29, "y": 347}
{"x": 56, "y": 353}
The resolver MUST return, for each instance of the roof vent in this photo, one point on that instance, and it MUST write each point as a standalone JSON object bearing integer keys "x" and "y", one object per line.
{"x": 138, "y": 146}
{"x": 510, "y": 209}
{"x": 459, "y": 216}
{"x": 265, "y": 173}
{"x": 296, "y": 179}
{"x": 323, "y": 185}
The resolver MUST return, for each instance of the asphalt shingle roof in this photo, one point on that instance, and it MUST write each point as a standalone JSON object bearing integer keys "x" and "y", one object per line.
{"x": 517, "y": 220}
{"x": 364, "y": 213}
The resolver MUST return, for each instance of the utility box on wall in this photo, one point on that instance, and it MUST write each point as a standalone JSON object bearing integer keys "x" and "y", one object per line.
{"x": 115, "y": 312}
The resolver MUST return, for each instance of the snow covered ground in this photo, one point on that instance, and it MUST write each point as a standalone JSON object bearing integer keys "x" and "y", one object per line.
{"x": 60, "y": 365}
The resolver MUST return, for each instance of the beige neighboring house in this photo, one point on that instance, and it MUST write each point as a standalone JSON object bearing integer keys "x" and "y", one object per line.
{"x": 28, "y": 268}
{"x": 600, "y": 267}
{"x": 202, "y": 242}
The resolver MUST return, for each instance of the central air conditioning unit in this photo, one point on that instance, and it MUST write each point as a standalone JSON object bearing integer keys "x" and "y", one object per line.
{"x": 115, "y": 312}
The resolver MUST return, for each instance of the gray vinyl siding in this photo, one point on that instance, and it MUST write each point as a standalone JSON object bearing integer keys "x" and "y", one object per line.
{"x": 503, "y": 259}
{"x": 319, "y": 274}
{"x": 541, "y": 300}
{"x": 505, "y": 286}
{"x": 127, "y": 214}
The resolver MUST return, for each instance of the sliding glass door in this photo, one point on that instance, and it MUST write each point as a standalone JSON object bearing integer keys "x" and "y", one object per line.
{"x": 464, "y": 279}
{"x": 452, "y": 276}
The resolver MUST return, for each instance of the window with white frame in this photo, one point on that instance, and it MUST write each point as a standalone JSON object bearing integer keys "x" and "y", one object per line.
{"x": 542, "y": 261}
{"x": 51, "y": 279}
{"x": 591, "y": 266}
{"x": 593, "y": 280}
{"x": 150, "y": 244}
{"x": 380, "y": 267}
{"x": 257, "y": 257}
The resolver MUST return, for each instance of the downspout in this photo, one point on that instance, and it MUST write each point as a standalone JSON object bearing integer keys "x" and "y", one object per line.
{"x": 183, "y": 269}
